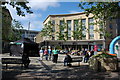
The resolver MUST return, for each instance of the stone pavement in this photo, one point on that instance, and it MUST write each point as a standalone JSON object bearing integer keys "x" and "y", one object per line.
{"x": 46, "y": 70}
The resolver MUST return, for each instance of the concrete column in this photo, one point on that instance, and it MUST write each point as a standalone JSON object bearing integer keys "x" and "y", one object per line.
{"x": 65, "y": 29}
{"x": 97, "y": 27}
{"x": 87, "y": 27}
{"x": 72, "y": 29}
{"x": 96, "y": 34}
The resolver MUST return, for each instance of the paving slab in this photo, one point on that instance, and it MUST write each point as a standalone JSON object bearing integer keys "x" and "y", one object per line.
{"x": 47, "y": 70}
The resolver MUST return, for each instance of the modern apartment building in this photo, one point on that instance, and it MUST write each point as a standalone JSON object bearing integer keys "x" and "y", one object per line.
{"x": 91, "y": 35}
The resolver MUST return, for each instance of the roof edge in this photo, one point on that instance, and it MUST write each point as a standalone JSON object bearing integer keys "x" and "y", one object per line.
{"x": 56, "y": 15}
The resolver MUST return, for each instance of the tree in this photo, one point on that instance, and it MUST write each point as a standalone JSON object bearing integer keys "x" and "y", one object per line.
{"x": 47, "y": 31}
{"x": 63, "y": 33}
{"x": 78, "y": 32}
{"x": 15, "y": 32}
{"x": 20, "y": 7}
{"x": 102, "y": 12}
{"x": 6, "y": 24}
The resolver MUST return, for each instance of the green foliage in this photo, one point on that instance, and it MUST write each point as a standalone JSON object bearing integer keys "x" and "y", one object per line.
{"x": 107, "y": 34}
{"x": 102, "y": 11}
{"x": 58, "y": 47}
{"x": 63, "y": 33}
{"x": 78, "y": 33}
{"x": 11, "y": 32}
{"x": 47, "y": 31}
{"x": 20, "y": 7}
{"x": 15, "y": 32}
{"x": 6, "y": 26}
{"x": 7, "y": 29}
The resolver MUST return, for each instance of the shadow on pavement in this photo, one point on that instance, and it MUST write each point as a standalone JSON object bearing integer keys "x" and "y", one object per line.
{"x": 53, "y": 72}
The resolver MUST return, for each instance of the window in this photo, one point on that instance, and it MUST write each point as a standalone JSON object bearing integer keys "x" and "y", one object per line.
{"x": 110, "y": 26}
{"x": 75, "y": 25}
{"x": 69, "y": 38}
{"x": 101, "y": 36}
{"x": 91, "y": 36}
{"x": 84, "y": 22}
{"x": 53, "y": 37}
{"x": 91, "y": 29}
{"x": 61, "y": 24}
{"x": 69, "y": 27}
{"x": 53, "y": 28}
{"x": 83, "y": 28}
{"x": 118, "y": 26}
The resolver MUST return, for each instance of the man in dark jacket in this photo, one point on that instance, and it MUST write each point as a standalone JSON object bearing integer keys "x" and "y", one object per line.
{"x": 67, "y": 60}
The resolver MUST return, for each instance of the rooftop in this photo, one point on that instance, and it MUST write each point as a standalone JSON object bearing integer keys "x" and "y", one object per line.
{"x": 61, "y": 15}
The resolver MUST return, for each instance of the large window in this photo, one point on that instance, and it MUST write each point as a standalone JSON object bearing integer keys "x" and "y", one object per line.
{"x": 75, "y": 25}
{"x": 53, "y": 27}
{"x": 110, "y": 26}
{"x": 53, "y": 37}
{"x": 61, "y": 25}
{"x": 101, "y": 32}
{"x": 118, "y": 26}
{"x": 75, "y": 28}
{"x": 91, "y": 28}
{"x": 83, "y": 28}
{"x": 69, "y": 29}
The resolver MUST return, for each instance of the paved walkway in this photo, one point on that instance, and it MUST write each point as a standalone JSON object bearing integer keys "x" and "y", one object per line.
{"x": 46, "y": 70}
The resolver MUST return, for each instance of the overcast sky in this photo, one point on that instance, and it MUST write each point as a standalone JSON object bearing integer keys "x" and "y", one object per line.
{"x": 42, "y": 9}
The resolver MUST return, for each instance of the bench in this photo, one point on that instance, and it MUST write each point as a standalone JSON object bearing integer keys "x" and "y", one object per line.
{"x": 12, "y": 61}
{"x": 77, "y": 59}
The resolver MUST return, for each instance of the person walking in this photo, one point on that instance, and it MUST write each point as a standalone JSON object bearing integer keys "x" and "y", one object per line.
{"x": 46, "y": 54}
{"x": 41, "y": 53}
{"x": 49, "y": 53}
{"x": 55, "y": 55}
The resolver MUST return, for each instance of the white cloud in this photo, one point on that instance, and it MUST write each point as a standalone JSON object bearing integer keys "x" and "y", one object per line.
{"x": 36, "y": 23}
{"x": 43, "y": 4}
{"x": 49, "y": 0}
{"x": 74, "y": 12}
{"x": 27, "y": 16}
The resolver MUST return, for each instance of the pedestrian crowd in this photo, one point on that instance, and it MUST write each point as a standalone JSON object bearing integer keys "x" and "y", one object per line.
{"x": 84, "y": 52}
{"x": 52, "y": 55}
{"x": 49, "y": 54}
{"x": 87, "y": 54}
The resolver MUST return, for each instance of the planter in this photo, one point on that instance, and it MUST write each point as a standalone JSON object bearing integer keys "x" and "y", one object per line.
{"x": 103, "y": 64}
